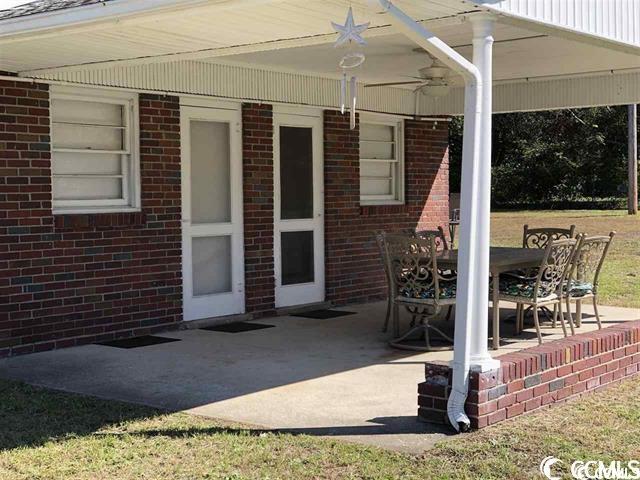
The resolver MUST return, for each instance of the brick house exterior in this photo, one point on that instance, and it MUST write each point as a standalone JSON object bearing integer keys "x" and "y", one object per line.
{"x": 73, "y": 279}
{"x": 352, "y": 260}
{"x": 257, "y": 166}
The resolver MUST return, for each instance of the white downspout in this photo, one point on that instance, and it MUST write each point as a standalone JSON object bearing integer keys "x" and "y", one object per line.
{"x": 470, "y": 261}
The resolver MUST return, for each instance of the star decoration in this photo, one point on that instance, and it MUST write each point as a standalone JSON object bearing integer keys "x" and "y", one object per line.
{"x": 350, "y": 31}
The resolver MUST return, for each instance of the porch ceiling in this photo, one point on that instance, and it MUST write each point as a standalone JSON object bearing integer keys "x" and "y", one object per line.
{"x": 207, "y": 25}
{"x": 180, "y": 45}
{"x": 287, "y": 35}
{"x": 519, "y": 54}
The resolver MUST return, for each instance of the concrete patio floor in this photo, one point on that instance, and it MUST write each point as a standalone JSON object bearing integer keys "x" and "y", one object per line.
{"x": 335, "y": 377}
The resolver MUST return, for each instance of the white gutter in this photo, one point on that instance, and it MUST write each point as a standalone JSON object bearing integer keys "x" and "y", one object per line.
{"x": 471, "y": 189}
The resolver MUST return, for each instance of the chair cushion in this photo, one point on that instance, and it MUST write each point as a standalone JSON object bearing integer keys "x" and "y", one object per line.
{"x": 580, "y": 289}
{"x": 523, "y": 287}
{"x": 447, "y": 290}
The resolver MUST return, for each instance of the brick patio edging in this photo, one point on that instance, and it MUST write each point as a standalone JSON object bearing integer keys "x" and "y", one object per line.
{"x": 537, "y": 377}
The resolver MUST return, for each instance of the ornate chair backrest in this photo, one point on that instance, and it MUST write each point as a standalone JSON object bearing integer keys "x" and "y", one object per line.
{"x": 589, "y": 258}
{"x": 540, "y": 237}
{"x": 381, "y": 235}
{"x": 413, "y": 266}
{"x": 555, "y": 266}
{"x": 438, "y": 235}
{"x": 381, "y": 240}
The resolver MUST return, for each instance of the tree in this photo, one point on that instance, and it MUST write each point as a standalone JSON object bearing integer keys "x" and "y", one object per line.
{"x": 553, "y": 156}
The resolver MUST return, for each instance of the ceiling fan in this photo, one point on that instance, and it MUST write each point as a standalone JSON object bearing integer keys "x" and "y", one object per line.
{"x": 432, "y": 80}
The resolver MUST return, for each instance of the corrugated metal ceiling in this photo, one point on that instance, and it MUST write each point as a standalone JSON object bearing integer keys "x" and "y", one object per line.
{"x": 617, "y": 20}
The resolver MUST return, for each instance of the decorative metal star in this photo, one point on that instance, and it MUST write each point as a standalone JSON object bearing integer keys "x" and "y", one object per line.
{"x": 350, "y": 31}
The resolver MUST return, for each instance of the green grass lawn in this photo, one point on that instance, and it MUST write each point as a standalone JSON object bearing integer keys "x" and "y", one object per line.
{"x": 620, "y": 279}
{"x": 52, "y": 435}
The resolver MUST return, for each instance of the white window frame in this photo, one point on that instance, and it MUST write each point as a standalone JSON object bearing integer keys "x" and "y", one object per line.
{"x": 397, "y": 195}
{"x": 130, "y": 154}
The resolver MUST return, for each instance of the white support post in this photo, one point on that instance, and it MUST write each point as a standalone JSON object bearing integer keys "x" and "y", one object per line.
{"x": 480, "y": 206}
{"x": 632, "y": 198}
{"x": 471, "y": 325}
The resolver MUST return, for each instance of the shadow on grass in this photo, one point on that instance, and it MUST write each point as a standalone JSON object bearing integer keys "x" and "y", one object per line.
{"x": 407, "y": 424}
{"x": 378, "y": 426}
{"x": 31, "y": 416}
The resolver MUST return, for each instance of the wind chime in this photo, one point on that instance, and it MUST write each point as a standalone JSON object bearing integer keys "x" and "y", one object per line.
{"x": 350, "y": 34}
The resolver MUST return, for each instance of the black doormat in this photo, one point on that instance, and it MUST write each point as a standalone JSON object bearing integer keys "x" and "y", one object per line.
{"x": 322, "y": 314}
{"x": 237, "y": 327}
{"x": 135, "y": 342}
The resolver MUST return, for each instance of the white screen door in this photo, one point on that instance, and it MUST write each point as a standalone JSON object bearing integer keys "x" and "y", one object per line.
{"x": 212, "y": 236}
{"x": 298, "y": 209}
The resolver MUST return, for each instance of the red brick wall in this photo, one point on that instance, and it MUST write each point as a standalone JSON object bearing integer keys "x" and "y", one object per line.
{"x": 353, "y": 269}
{"x": 72, "y": 279}
{"x": 257, "y": 153}
{"x": 537, "y": 377}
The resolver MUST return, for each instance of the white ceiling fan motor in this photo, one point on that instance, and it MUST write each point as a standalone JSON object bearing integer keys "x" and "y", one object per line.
{"x": 435, "y": 77}
{"x": 432, "y": 80}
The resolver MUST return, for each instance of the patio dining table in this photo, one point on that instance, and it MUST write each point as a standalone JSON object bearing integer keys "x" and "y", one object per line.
{"x": 501, "y": 259}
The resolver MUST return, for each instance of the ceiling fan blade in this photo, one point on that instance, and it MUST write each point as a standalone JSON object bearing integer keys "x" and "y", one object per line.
{"x": 392, "y": 83}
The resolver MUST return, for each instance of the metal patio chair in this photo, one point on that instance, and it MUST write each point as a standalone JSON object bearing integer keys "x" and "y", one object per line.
{"x": 539, "y": 238}
{"x": 583, "y": 278}
{"x": 454, "y": 221}
{"x": 438, "y": 235}
{"x": 380, "y": 239}
{"x": 543, "y": 289}
{"x": 441, "y": 244}
{"x": 419, "y": 285}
